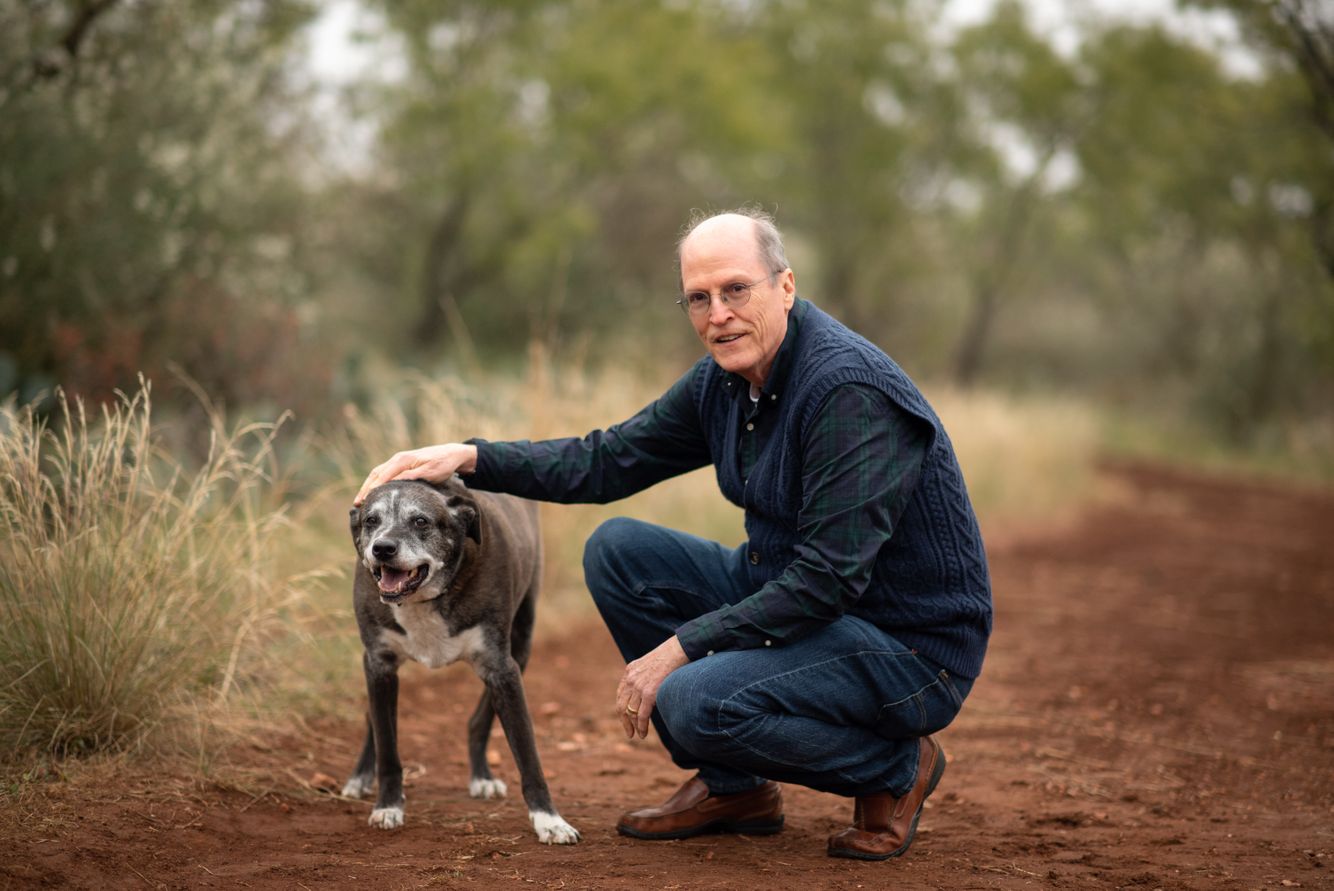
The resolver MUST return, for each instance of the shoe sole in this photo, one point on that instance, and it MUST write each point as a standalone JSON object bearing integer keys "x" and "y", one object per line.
{"x": 768, "y": 827}
{"x": 936, "y": 774}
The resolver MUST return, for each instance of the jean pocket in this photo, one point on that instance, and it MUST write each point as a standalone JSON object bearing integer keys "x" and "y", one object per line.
{"x": 930, "y": 709}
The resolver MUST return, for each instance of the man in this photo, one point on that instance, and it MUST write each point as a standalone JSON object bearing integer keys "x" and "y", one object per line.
{"x": 827, "y": 648}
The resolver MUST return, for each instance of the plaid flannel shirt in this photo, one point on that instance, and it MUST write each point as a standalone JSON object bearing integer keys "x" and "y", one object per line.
{"x": 862, "y": 456}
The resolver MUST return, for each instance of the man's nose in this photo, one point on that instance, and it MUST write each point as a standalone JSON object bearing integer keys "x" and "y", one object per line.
{"x": 719, "y": 312}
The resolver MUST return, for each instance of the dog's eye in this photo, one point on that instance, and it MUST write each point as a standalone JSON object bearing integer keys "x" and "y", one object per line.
{"x": 421, "y": 522}
{"x": 371, "y": 521}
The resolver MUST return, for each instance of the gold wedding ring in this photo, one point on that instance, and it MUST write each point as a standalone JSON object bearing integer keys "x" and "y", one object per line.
{"x": 631, "y": 711}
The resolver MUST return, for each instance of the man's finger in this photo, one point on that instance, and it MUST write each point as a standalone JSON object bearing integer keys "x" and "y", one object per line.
{"x": 383, "y": 473}
{"x": 370, "y": 483}
{"x": 646, "y": 704}
{"x": 622, "y": 706}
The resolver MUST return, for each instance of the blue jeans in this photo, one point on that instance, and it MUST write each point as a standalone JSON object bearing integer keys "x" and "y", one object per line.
{"x": 840, "y": 710}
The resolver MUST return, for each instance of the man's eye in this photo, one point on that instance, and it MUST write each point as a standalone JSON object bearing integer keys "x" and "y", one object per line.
{"x": 735, "y": 289}
{"x": 696, "y": 298}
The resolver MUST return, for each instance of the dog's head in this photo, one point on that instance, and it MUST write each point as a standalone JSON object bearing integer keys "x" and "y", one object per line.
{"x": 412, "y": 535}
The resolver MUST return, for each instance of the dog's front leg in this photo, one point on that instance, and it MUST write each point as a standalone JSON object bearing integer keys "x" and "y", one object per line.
{"x": 382, "y": 688}
{"x": 505, "y": 684}
{"x": 362, "y": 781}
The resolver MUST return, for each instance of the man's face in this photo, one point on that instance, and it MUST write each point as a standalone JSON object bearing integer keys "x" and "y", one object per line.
{"x": 745, "y": 339}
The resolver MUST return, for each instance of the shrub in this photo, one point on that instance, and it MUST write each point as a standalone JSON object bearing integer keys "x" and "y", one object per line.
{"x": 130, "y": 585}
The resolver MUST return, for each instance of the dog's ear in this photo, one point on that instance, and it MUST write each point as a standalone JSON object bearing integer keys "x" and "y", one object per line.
{"x": 474, "y": 523}
{"x": 466, "y": 510}
{"x": 354, "y": 522}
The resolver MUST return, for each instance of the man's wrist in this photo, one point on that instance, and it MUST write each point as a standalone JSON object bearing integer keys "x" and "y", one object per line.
{"x": 694, "y": 640}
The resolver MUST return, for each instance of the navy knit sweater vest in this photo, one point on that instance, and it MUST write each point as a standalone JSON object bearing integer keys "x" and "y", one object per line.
{"x": 930, "y": 588}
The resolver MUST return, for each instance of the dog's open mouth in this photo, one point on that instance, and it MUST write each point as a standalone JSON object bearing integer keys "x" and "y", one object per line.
{"x": 396, "y": 584}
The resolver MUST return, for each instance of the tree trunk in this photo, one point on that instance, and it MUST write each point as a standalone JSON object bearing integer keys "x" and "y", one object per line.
{"x": 439, "y": 273}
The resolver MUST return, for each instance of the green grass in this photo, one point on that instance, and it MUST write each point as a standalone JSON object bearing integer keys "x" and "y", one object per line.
{"x": 132, "y": 588}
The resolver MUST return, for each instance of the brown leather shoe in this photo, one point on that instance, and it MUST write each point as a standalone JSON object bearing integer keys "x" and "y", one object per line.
{"x": 693, "y": 811}
{"x": 882, "y": 825}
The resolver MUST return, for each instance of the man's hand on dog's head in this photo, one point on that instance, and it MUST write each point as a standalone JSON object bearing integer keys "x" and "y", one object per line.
{"x": 434, "y": 464}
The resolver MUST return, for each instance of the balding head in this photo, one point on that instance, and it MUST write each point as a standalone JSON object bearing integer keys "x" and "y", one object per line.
{"x": 746, "y": 229}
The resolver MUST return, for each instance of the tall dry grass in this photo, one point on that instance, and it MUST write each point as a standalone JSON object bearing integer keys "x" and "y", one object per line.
{"x": 1024, "y": 459}
{"x": 133, "y": 589}
{"x": 140, "y": 595}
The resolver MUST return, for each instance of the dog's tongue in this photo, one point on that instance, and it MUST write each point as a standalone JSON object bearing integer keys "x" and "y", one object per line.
{"x": 393, "y": 580}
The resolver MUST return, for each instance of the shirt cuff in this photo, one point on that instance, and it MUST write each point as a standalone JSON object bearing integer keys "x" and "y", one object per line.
{"x": 488, "y": 464}
{"x": 702, "y": 636}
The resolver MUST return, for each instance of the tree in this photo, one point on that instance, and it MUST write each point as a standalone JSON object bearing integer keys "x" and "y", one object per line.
{"x": 546, "y": 154}
{"x": 149, "y": 208}
{"x": 1298, "y": 35}
{"x": 1196, "y": 184}
{"x": 1014, "y": 79}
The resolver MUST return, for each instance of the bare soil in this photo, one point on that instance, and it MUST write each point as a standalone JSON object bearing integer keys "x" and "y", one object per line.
{"x": 1156, "y": 711}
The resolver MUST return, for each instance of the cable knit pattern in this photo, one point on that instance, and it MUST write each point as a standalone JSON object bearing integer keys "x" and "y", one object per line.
{"x": 930, "y": 587}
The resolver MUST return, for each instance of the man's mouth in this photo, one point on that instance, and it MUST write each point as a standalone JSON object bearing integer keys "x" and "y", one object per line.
{"x": 728, "y": 338}
{"x": 395, "y": 584}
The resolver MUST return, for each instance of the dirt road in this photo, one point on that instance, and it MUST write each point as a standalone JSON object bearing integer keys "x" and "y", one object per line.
{"x": 1157, "y": 711}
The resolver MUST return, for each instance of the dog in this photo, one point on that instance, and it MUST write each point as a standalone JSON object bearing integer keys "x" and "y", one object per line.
{"x": 445, "y": 573}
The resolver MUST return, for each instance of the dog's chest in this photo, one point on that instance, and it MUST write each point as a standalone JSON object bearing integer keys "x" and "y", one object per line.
{"x": 426, "y": 638}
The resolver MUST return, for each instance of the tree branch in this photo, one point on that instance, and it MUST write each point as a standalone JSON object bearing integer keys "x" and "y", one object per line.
{"x": 44, "y": 66}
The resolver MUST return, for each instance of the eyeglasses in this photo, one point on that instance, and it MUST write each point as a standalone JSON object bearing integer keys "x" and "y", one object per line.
{"x": 733, "y": 295}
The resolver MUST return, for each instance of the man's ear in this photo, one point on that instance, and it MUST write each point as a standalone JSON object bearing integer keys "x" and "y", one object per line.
{"x": 354, "y": 522}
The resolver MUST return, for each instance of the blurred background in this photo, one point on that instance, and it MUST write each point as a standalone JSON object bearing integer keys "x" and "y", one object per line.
{"x": 1085, "y": 228}
{"x": 1127, "y": 203}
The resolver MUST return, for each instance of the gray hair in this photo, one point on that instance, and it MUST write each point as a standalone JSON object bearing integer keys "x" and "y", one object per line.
{"x": 768, "y": 240}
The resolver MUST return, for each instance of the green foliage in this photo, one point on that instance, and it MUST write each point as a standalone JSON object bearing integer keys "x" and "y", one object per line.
{"x": 150, "y": 196}
{"x": 1126, "y": 216}
{"x": 1199, "y": 189}
{"x": 131, "y": 588}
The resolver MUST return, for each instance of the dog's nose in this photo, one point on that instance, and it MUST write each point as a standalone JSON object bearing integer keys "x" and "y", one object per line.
{"x": 383, "y": 550}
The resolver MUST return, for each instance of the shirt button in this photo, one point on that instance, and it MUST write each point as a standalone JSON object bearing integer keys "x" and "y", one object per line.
{"x": 768, "y": 643}
{"x": 750, "y": 426}
{"x": 755, "y": 557}
{"x": 773, "y": 397}
{"x": 709, "y": 653}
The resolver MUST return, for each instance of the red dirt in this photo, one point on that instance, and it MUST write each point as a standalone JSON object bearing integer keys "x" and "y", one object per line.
{"x": 1157, "y": 711}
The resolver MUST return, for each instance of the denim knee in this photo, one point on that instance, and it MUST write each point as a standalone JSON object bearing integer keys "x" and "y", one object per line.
{"x": 690, "y": 713}
{"x": 600, "y": 551}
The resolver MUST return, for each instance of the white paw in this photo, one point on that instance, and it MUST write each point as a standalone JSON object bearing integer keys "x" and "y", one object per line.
{"x": 387, "y": 817}
{"x": 358, "y": 787}
{"x": 552, "y": 829}
{"x": 487, "y": 788}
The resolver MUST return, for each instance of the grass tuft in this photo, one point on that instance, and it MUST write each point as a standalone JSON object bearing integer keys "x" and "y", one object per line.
{"x": 132, "y": 588}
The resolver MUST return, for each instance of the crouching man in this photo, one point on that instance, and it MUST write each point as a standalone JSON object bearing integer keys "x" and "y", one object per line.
{"x": 827, "y": 648}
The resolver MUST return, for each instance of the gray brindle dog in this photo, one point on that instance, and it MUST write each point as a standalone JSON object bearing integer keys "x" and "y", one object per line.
{"x": 443, "y": 574}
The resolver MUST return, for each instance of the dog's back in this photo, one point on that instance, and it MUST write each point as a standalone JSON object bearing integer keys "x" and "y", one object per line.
{"x": 511, "y": 539}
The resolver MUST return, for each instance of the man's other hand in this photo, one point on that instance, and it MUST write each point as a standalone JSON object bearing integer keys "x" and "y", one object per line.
{"x": 638, "y": 690}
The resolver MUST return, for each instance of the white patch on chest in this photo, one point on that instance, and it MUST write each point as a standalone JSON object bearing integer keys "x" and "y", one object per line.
{"x": 426, "y": 638}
